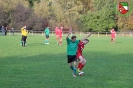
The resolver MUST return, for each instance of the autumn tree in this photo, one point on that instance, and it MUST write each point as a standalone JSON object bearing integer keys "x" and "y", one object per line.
{"x": 101, "y": 18}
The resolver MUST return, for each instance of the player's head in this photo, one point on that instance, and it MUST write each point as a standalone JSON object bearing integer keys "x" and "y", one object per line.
{"x": 73, "y": 38}
{"x": 61, "y": 27}
{"x": 112, "y": 29}
{"x": 85, "y": 41}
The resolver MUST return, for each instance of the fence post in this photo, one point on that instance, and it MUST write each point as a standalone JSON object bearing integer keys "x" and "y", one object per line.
{"x": 42, "y": 33}
{"x": 9, "y": 32}
{"x": 80, "y": 34}
{"x": 123, "y": 34}
{"x": 52, "y": 33}
{"x": 130, "y": 34}
{"x": 32, "y": 32}
{"x": 98, "y": 34}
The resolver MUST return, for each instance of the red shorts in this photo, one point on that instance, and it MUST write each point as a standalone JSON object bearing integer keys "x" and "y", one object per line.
{"x": 78, "y": 55}
{"x": 112, "y": 36}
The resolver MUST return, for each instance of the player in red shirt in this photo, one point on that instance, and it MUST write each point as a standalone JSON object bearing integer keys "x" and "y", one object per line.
{"x": 60, "y": 36}
{"x": 82, "y": 60}
{"x": 113, "y": 35}
{"x": 57, "y": 34}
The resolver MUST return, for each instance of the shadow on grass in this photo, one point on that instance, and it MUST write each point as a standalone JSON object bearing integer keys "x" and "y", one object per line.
{"x": 103, "y": 69}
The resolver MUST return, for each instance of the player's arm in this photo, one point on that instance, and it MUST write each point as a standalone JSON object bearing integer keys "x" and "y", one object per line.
{"x": 86, "y": 37}
{"x": 22, "y": 28}
{"x": 70, "y": 31}
{"x": 27, "y": 31}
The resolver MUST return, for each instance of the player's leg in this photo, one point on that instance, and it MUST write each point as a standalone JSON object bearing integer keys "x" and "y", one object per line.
{"x": 60, "y": 42}
{"x": 81, "y": 61}
{"x": 74, "y": 59}
{"x": 57, "y": 39}
{"x": 45, "y": 42}
{"x": 83, "y": 64}
{"x": 22, "y": 40}
{"x": 74, "y": 69}
{"x": 47, "y": 39}
{"x": 113, "y": 40}
{"x": 70, "y": 65}
{"x": 26, "y": 40}
{"x": 70, "y": 60}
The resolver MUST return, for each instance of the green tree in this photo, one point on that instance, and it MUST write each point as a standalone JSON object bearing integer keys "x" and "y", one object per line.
{"x": 31, "y": 2}
{"x": 101, "y": 18}
{"x": 67, "y": 11}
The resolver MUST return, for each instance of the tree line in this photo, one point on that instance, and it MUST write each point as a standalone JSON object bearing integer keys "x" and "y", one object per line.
{"x": 81, "y": 15}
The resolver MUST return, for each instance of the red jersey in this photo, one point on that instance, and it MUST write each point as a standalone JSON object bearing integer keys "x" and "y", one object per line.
{"x": 80, "y": 49}
{"x": 57, "y": 31}
{"x": 60, "y": 32}
{"x": 113, "y": 34}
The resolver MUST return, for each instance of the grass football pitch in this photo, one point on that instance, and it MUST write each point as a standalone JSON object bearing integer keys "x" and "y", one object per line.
{"x": 45, "y": 66}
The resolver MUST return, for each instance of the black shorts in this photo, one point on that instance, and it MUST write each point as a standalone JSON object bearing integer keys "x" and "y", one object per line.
{"x": 71, "y": 58}
{"x": 23, "y": 38}
{"x": 47, "y": 36}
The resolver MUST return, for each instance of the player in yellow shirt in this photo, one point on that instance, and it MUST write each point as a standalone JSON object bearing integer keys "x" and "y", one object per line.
{"x": 24, "y": 35}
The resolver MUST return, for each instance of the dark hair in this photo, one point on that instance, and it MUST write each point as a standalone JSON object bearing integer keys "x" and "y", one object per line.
{"x": 73, "y": 37}
{"x": 86, "y": 40}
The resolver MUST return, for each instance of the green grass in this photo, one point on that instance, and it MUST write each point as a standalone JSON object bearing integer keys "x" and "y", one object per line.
{"x": 45, "y": 66}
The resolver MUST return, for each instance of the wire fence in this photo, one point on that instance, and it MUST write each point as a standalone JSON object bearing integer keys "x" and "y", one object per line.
{"x": 52, "y": 33}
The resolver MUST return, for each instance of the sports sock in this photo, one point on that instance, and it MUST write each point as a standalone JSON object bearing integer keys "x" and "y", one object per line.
{"x": 82, "y": 65}
{"x": 45, "y": 41}
{"x": 74, "y": 71}
{"x": 60, "y": 42}
{"x": 25, "y": 42}
{"x": 20, "y": 42}
{"x": 79, "y": 64}
{"x": 72, "y": 67}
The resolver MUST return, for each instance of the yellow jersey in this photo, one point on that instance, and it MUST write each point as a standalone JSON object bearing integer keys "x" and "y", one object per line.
{"x": 24, "y": 32}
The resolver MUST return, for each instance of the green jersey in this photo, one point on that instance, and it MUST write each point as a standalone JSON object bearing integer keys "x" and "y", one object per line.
{"x": 47, "y": 31}
{"x": 72, "y": 46}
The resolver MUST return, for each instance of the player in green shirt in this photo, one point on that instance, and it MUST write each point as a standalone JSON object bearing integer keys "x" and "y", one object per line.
{"x": 47, "y": 35}
{"x": 72, "y": 46}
